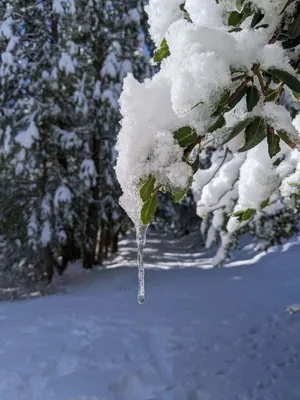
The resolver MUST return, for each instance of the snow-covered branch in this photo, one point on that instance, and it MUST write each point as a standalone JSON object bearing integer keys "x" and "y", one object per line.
{"x": 223, "y": 67}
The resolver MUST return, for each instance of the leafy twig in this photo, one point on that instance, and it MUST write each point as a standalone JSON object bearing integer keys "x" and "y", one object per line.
{"x": 238, "y": 90}
{"x": 189, "y": 149}
{"x": 256, "y": 71}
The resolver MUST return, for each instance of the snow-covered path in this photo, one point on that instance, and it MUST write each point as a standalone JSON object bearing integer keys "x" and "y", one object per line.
{"x": 202, "y": 334}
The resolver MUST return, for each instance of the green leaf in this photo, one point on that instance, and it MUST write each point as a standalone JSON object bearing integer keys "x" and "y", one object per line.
{"x": 258, "y": 16}
{"x": 273, "y": 143}
{"x": 291, "y": 43}
{"x": 252, "y": 98}
{"x": 277, "y": 162}
{"x": 294, "y": 27}
{"x": 243, "y": 215}
{"x": 185, "y": 136}
{"x": 179, "y": 194}
{"x": 264, "y": 203}
{"x": 162, "y": 52}
{"x": 195, "y": 164}
{"x": 236, "y": 29}
{"x": 218, "y": 124}
{"x": 285, "y": 137}
{"x": 234, "y": 18}
{"x": 237, "y": 98}
{"x": 223, "y": 100}
{"x": 196, "y": 105}
{"x": 248, "y": 214}
{"x": 294, "y": 184}
{"x": 147, "y": 188}
{"x": 290, "y": 80}
{"x": 254, "y": 134}
{"x": 148, "y": 210}
{"x": 237, "y": 213}
{"x": 225, "y": 96}
{"x": 271, "y": 94}
{"x": 247, "y": 11}
{"x": 239, "y": 127}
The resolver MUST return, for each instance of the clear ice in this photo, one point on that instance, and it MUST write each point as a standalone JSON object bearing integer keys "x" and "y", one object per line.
{"x": 141, "y": 231}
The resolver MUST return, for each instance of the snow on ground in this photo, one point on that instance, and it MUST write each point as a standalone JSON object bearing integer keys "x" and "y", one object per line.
{"x": 202, "y": 334}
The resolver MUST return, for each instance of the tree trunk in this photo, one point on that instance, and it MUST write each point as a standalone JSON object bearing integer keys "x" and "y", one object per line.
{"x": 101, "y": 244}
{"x": 48, "y": 260}
{"x": 115, "y": 242}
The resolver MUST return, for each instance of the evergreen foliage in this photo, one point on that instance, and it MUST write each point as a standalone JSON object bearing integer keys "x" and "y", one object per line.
{"x": 229, "y": 80}
{"x": 61, "y": 71}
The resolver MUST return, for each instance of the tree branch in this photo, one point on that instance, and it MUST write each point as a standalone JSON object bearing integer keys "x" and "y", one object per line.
{"x": 239, "y": 89}
{"x": 256, "y": 71}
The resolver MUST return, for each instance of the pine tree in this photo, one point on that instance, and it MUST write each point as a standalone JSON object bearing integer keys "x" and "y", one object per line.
{"x": 42, "y": 143}
{"x": 112, "y": 44}
{"x": 62, "y": 67}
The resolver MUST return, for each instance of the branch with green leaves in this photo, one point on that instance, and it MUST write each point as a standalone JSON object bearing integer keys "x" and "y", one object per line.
{"x": 256, "y": 88}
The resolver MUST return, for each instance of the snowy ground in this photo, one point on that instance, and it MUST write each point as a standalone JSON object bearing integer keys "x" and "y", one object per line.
{"x": 202, "y": 334}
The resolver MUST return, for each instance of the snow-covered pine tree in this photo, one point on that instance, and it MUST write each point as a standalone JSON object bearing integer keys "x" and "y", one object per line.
{"x": 17, "y": 189}
{"x": 111, "y": 41}
{"x": 62, "y": 65}
{"x": 224, "y": 65}
{"x": 39, "y": 141}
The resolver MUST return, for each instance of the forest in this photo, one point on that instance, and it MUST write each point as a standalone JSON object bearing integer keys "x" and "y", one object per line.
{"x": 207, "y": 104}
{"x": 163, "y": 135}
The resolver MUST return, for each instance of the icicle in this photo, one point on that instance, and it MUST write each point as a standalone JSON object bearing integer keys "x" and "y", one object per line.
{"x": 141, "y": 231}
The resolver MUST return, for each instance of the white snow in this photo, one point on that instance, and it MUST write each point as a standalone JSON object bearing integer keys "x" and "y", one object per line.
{"x": 97, "y": 90}
{"x": 26, "y": 137}
{"x": 204, "y": 12}
{"x": 62, "y": 195}
{"x": 7, "y": 139}
{"x": 88, "y": 173}
{"x": 134, "y": 15}
{"x": 202, "y": 334}
{"x": 161, "y": 15}
{"x": 110, "y": 96}
{"x": 66, "y": 64}
{"x": 109, "y": 66}
{"x": 126, "y": 68}
{"x": 7, "y": 63}
{"x": 68, "y": 140}
{"x": 5, "y": 28}
{"x": 202, "y": 54}
{"x": 46, "y": 233}
{"x": 148, "y": 136}
{"x": 62, "y": 6}
{"x": 279, "y": 118}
